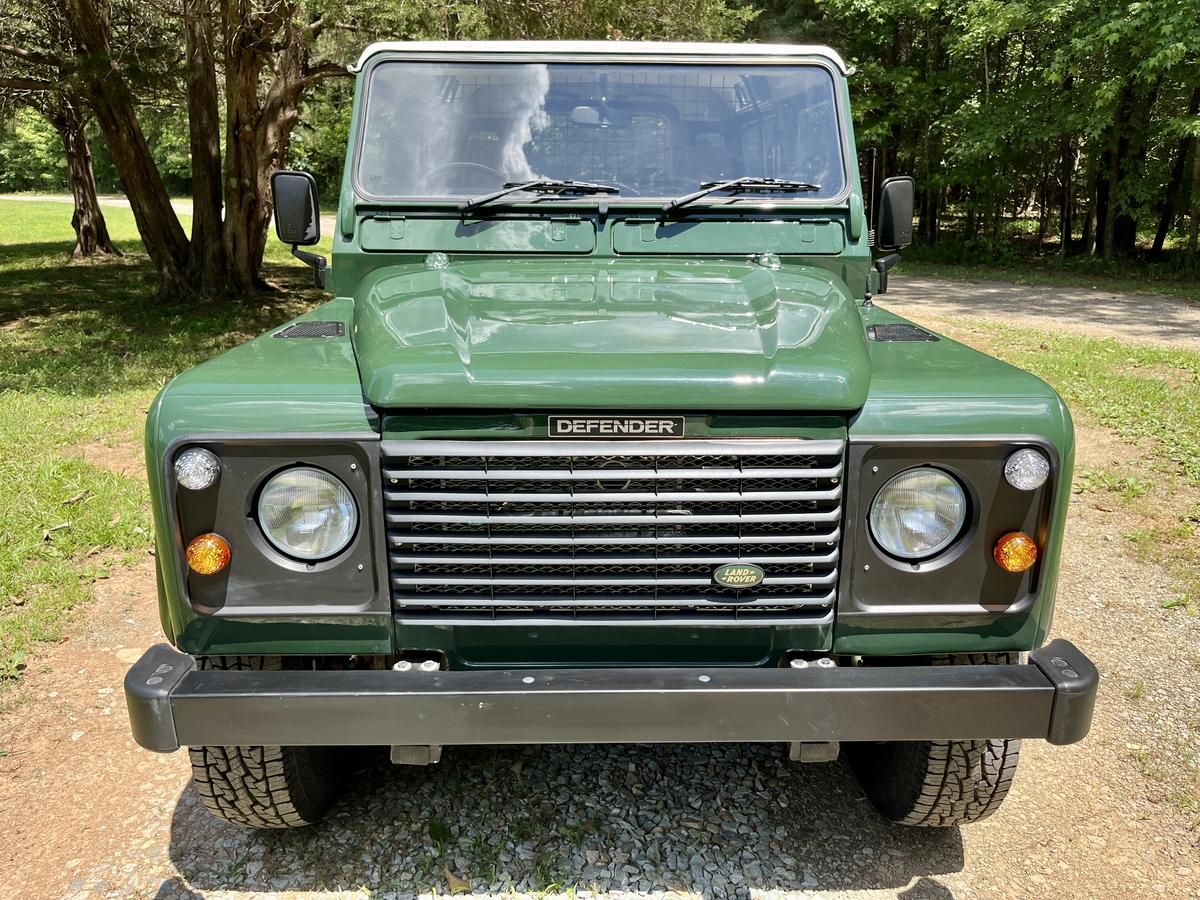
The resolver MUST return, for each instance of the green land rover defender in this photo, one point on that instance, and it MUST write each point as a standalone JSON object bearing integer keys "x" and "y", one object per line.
{"x": 602, "y": 438}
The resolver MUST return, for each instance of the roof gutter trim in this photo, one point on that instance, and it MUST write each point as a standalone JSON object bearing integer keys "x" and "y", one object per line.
{"x": 602, "y": 49}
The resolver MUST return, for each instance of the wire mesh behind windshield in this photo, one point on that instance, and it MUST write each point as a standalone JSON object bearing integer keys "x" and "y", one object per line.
{"x": 450, "y": 129}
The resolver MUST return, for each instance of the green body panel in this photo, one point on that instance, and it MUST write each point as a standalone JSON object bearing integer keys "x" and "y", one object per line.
{"x": 270, "y": 384}
{"x": 396, "y": 233}
{"x": 944, "y": 389}
{"x": 266, "y": 387}
{"x": 586, "y": 646}
{"x": 623, "y": 334}
{"x": 568, "y": 309}
{"x": 813, "y": 236}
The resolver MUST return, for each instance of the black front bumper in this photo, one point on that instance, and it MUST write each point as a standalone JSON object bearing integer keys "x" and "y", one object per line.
{"x": 173, "y": 704}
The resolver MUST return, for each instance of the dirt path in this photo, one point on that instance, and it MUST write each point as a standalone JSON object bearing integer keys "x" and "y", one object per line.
{"x": 1137, "y": 318}
{"x": 87, "y": 813}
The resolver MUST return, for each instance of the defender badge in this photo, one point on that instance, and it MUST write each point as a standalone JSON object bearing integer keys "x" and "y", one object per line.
{"x": 739, "y": 575}
{"x": 616, "y": 426}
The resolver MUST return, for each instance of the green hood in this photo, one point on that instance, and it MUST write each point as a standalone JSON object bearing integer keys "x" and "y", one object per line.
{"x": 624, "y": 334}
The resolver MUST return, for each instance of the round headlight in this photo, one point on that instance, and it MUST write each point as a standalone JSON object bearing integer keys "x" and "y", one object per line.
{"x": 307, "y": 513}
{"x": 918, "y": 513}
{"x": 196, "y": 468}
{"x": 1027, "y": 469}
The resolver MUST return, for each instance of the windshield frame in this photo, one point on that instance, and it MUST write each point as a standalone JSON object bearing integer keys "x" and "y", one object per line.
{"x": 743, "y": 201}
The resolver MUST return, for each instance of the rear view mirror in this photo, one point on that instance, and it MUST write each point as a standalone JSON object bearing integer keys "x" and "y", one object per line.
{"x": 895, "y": 226}
{"x": 297, "y": 214}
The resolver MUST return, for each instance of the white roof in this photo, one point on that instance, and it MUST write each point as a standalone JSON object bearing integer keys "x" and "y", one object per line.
{"x": 606, "y": 48}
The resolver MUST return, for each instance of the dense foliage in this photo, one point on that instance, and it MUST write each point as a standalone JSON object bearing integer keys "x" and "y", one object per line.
{"x": 1039, "y": 118}
{"x": 1079, "y": 113}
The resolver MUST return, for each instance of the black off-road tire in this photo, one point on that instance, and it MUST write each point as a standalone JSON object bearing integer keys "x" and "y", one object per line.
{"x": 938, "y": 784}
{"x": 264, "y": 787}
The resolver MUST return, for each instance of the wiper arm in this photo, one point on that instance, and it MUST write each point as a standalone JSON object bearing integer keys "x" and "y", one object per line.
{"x": 744, "y": 185}
{"x": 540, "y": 185}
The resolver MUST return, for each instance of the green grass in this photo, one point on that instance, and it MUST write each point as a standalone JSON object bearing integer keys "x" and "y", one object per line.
{"x": 84, "y": 347}
{"x": 1148, "y": 395}
{"x": 1129, "y": 487}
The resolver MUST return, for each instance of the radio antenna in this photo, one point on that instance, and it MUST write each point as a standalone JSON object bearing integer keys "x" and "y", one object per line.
{"x": 871, "y": 204}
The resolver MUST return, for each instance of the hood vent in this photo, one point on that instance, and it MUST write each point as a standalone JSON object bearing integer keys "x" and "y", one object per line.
{"x": 899, "y": 332}
{"x": 314, "y": 329}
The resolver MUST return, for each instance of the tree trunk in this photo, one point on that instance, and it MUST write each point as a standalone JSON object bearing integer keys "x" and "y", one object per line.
{"x": 1106, "y": 206}
{"x": 1043, "y": 217}
{"x": 245, "y": 57}
{"x": 1067, "y": 197}
{"x": 91, "y": 231}
{"x": 111, "y": 100}
{"x": 206, "y": 261}
{"x": 1093, "y": 204}
{"x": 1171, "y": 201}
{"x": 258, "y": 131}
{"x": 1128, "y": 145}
{"x": 1194, "y": 228}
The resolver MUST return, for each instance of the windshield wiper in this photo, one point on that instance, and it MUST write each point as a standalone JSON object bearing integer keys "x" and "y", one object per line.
{"x": 539, "y": 186}
{"x": 745, "y": 185}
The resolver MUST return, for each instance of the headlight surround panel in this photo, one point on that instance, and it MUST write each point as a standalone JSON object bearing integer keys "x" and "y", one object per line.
{"x": 262, "y": 579}
{"x": 961, "y": 577}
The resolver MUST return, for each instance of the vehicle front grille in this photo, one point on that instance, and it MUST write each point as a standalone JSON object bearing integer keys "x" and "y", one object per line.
{"x": 529, "y": 530}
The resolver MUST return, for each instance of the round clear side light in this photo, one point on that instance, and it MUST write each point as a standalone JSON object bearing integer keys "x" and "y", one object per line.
{"x": 918, "y": 513}
{"x": 307, "y": 513}
{"x": 1027, "y": 469}
{"x": 197, "y": 468}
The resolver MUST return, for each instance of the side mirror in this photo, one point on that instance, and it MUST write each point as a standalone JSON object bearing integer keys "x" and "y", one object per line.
{"x": 298, "y": 217}
{"x": 297, "y": 214}
{"x": 895, "y": 226}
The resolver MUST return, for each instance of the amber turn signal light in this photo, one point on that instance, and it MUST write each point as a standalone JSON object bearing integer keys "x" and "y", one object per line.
{"x": 208, "y": 554}
{"x": 1015, "y": 552}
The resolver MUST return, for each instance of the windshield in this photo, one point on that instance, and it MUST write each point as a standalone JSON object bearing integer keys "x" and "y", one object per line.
{"x": 459, "y": 129}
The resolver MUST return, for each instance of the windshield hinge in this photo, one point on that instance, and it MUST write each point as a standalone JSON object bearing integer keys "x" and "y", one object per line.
{"x": 396, "y": 223}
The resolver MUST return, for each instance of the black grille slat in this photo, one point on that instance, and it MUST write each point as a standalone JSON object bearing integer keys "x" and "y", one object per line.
{"x": 505, "y": 530}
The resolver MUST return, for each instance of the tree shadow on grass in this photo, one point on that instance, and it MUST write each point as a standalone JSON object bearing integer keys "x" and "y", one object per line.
{"x": 713, "y": 820}
{"x": 86, "y": 329}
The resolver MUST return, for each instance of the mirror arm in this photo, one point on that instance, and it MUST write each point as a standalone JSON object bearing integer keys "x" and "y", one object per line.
{"x": 882, "y": 266}
{"x": 315, "y": 260}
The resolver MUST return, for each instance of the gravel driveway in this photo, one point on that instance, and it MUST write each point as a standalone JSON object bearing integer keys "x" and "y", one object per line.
{"x": 86, "y": 813}
{"x": 1133, "y": 318}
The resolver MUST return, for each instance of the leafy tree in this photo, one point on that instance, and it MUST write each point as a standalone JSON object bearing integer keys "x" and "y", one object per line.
{"x": 32, "y": 75}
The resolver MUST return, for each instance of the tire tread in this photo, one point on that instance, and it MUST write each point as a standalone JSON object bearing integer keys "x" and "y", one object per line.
{"x": 937, "y": 784}
{"x": 261, "y": 787}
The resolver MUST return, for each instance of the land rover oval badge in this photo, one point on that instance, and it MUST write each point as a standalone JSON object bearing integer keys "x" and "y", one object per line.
{"x": 739, "y": 575}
